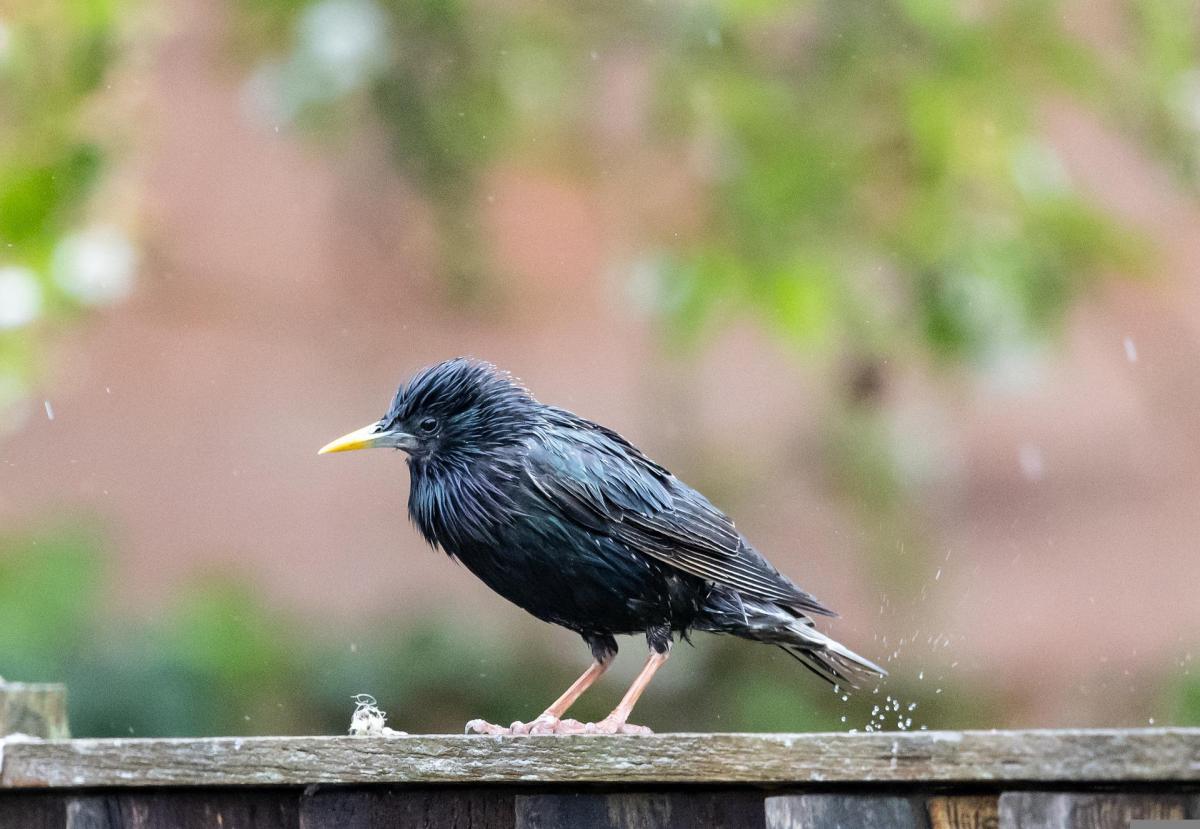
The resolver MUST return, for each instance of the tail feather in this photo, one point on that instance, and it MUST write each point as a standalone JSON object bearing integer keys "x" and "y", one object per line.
{"x": 835, "y": 663}
{"x": 794, "y": 633}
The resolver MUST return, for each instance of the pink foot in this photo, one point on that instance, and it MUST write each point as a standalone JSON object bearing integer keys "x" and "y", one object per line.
{"x": 608, "y": 725}
{"x": 548, "y": 725}
{"x": 539, "y": 727}
{"x": 485, "y": 727}
{"x": 542, "y": 725}
{"x": 568, "y": 727}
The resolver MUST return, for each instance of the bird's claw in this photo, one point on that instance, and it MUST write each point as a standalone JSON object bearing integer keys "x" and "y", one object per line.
{"x": 542, "y": 725}
{"x": 485, "y": 727}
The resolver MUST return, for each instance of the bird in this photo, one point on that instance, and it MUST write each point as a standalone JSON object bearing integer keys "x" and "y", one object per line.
{"x": 571, "y": 522}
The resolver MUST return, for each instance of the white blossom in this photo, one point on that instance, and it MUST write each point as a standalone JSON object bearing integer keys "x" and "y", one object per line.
{"x": 20, "y": 297}
{"x": 95, "y": 266}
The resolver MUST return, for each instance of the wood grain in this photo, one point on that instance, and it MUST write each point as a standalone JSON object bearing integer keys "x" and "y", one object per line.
{"x": 641, "y": 810}
{"x": 969, "y": 812}
{"x": 1053, "y": 810}
{"x": 159, "y": 809}
{"x": 385, "y": 808}
{"x": 32, "y": 810}
{"x": 1149, "y": 755}
{"x": 841, "y": 811}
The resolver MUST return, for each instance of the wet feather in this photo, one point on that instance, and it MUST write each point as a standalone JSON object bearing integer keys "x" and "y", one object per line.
{"x": 573, "y": 523}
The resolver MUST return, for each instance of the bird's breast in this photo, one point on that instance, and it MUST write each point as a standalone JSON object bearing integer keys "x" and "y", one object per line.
{"x": 459, "y": 507}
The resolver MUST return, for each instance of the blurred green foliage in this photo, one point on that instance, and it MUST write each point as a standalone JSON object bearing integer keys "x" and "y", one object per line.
{"x": 871, "y": 175}
{"x": 1184, "y": 695}
{"x": 54, "y": 60}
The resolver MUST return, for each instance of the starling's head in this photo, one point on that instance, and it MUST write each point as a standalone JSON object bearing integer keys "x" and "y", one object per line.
{"x": 458, "y": 407}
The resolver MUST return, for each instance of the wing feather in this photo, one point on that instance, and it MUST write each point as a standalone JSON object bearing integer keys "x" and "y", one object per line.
{"x": 595, "y": 478}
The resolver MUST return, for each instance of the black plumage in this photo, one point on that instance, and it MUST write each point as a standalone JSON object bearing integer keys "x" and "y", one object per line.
{"x": 571, "y": 522}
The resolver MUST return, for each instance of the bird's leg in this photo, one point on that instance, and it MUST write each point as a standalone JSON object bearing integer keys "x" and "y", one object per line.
{"x": 616, "y": 722}
{"x": 550, "y": 722}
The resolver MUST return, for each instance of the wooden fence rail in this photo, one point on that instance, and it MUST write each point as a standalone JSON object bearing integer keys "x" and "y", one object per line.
{"x": 1090, "y": 779}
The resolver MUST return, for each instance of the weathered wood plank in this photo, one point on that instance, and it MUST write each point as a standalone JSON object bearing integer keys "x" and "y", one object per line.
{"x": 842, "y": 811}
{"x": 1055, "y": 810}
{"x": 36, "y": 709}
{"x": 969, "y": 812}
{"x": 187, "y": 809}
{"x": 1166, "y": 755}
{"x": 641, "y": 810}
{"x": 32, "y": 810}
{"x": 385, "y": 808}
{"x": 90, "y": 813}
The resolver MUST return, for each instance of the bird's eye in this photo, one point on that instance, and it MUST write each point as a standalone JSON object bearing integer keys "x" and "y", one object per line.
{"x": 428, "y": 425}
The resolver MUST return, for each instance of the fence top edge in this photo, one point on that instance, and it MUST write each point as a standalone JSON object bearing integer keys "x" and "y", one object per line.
{"x": 765, "y": 737}
{"x": 1140, "y": 755}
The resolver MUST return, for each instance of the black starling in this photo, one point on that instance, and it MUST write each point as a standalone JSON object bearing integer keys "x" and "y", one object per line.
{"x": 571, "y": 522}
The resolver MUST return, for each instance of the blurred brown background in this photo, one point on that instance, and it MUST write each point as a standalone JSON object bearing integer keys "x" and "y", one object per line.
{"x": 1041, "y": 553}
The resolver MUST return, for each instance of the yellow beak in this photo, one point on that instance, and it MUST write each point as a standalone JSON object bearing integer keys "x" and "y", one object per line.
{"x": 364, "y": 438}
